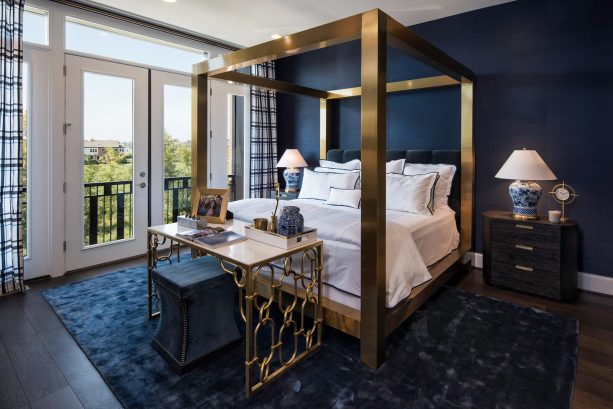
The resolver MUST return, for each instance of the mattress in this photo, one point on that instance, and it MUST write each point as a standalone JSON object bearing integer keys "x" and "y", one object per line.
{"x": 413, "y": 243}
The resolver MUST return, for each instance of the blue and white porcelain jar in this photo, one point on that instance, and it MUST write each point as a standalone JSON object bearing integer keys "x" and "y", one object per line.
{"x": 292, "y": 179}
{"x": 525, "y": 196}
{"x": 290, "y": 222}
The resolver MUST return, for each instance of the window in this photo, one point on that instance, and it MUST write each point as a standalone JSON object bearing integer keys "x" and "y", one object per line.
{"x": 177, "y": 151}
{"x": 92, "y": 38}
{"x": 36, "y": 26}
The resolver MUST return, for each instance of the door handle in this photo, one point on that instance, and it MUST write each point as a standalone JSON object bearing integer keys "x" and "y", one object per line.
{"x": 143, "y": 184}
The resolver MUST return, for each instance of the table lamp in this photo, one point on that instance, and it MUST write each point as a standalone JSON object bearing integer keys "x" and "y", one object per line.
{"x": 292, "y": 160}
{"x": 525, "y": 166}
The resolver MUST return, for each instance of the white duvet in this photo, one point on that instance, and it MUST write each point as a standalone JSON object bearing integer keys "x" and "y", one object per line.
{"x": 340, "y": 229}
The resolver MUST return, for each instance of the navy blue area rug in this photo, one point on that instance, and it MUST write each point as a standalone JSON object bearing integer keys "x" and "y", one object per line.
{"x": 460, "y": 350}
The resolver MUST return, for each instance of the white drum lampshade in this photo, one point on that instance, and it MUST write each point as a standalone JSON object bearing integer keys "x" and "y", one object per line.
{"x": 292, "y": 160}
{"x": 525, "y": 167}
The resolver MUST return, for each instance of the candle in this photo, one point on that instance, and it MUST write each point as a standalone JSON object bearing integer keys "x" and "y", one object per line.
{"x": 555, "y": 216}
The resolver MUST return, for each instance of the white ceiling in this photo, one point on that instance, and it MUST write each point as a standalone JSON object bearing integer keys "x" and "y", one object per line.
{"x": 250, "y": 22}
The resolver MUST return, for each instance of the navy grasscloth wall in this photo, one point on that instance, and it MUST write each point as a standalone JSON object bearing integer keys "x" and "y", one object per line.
{"x": 544, "y": 81}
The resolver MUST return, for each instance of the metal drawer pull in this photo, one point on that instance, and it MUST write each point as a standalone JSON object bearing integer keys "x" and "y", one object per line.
{"x": 524, "y": 268}
{"x": 520, "y": 246}
{"x": 524, "y": 226}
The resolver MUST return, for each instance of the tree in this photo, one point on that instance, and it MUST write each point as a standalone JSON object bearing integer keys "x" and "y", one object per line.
{"x": 177, "y": 157}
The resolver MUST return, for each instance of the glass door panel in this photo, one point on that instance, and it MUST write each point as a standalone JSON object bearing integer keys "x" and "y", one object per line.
{"x": 171, "y": 135}
{"x": 107, "y": 161}
{"x": 107, "y": 158}
{"x": 177, "y": 151}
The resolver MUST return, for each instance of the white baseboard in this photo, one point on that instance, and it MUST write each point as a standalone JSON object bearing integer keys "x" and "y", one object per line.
{"x": 476, "y": 259}
{"x": 587, "y": 281}
{"x": 596, "y": 283}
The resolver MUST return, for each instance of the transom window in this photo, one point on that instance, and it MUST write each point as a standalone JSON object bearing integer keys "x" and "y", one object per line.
{"x": 36, "y": 26}
{"x": 92, "y": 38}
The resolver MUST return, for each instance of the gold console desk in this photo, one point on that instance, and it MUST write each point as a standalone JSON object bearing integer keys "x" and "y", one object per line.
{"x": 265, "y": 276}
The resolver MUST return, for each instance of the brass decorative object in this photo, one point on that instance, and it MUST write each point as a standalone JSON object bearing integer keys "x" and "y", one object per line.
{"x": 376, "y": 31}
{"x": 272, "y": 225}
{"x": 260, "y": 223}
{"x": 563, "y": 194}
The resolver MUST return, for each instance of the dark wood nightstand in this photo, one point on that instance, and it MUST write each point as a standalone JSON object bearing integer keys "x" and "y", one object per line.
{"x": 534, "y": 256}
{"x": 283, "y": 195}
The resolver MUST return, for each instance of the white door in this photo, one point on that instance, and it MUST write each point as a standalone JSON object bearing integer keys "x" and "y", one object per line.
{"x": 222, "y": 136}
{"x": 171, "y": 133}
{"x": 35, "y": 208}
{"x": 106, "y": 161}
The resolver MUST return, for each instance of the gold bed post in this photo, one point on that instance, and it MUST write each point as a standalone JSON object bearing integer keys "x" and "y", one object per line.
{"x": 199, "y": 132}
{"x": 325, "y": 123}
{"x": 373, "y": 118}
{"x": 468, "y": 166}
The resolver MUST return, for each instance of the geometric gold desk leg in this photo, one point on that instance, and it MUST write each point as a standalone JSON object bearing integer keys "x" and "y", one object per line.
{"x": 320, "y": 289}
{"x": 249, "y": 353}
{"x": 310, "y": 284}
{"x": 152, "y": 244}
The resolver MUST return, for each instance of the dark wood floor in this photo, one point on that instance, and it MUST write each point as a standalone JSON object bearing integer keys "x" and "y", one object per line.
{"x": 41, "y": 366}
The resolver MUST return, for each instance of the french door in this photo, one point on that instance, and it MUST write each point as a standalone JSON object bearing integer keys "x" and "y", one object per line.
{"x": 107, "y": 158}
{"x": 171, "y": 128}
{"x": 128, "y": 154}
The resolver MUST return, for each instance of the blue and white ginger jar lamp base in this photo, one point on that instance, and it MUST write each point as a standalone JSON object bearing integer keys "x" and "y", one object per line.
{"x": 292, "y": 179}
{"x": 525, "y": 196}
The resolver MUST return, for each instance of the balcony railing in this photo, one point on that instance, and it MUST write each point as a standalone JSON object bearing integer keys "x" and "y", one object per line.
{"x": 177, "y": 197}
{"x": 109, "y": 207}
{"x": 108, "y": 211}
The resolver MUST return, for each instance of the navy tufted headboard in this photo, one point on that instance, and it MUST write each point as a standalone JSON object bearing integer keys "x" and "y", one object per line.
{"x": 449, "y": 157}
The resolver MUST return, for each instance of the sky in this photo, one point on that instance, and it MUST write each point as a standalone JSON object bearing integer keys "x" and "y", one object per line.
{"x": 108, "y": 100}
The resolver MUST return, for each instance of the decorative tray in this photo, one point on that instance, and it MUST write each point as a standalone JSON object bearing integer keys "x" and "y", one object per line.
{"x": 307, "y": 236}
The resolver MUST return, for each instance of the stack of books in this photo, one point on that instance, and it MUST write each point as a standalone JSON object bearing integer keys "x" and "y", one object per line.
{"x": 211, "y": 237}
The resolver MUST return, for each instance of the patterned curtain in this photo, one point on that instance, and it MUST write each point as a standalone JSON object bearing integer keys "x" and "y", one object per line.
{"x": 11, "y": 145}
{"x": 263, "y": 134}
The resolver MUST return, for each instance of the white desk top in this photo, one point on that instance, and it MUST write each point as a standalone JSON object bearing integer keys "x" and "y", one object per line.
{"x": 248, "y": 252}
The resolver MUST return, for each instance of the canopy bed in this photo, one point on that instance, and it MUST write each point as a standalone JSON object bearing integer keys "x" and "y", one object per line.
{"x": 371, "y": 320}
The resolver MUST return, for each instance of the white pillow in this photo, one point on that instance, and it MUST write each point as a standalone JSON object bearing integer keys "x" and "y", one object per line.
{"x": 351, "y": 165}
{"x": 345, "y": 197}
{"x": 394, "y": 166}
{"x": 316, "y": 185}
{"x": 333, "y": 170}
{"x": 443, "y": 185}
{"x": 410, "y": 193}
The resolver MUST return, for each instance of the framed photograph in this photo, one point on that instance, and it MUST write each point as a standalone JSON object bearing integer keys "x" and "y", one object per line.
{"x": 212, "y": 204}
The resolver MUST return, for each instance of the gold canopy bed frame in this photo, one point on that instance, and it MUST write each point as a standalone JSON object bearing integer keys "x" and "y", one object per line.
{"x": 376, "y": 30}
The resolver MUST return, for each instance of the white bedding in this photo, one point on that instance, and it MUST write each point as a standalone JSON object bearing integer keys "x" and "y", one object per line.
{"x": 413, "y": 242}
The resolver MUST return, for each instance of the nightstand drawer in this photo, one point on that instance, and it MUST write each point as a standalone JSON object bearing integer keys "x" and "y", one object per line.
{"x": 522, "y": 278}
{"x": 527, "y": 255}
{"x": 518, "y": 232}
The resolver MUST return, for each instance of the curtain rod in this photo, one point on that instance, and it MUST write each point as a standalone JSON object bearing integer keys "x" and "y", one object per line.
{"x": 146, "y": 23}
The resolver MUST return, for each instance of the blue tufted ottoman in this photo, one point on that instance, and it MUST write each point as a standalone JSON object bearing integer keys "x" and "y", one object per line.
{"x": 197, "y": 312}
